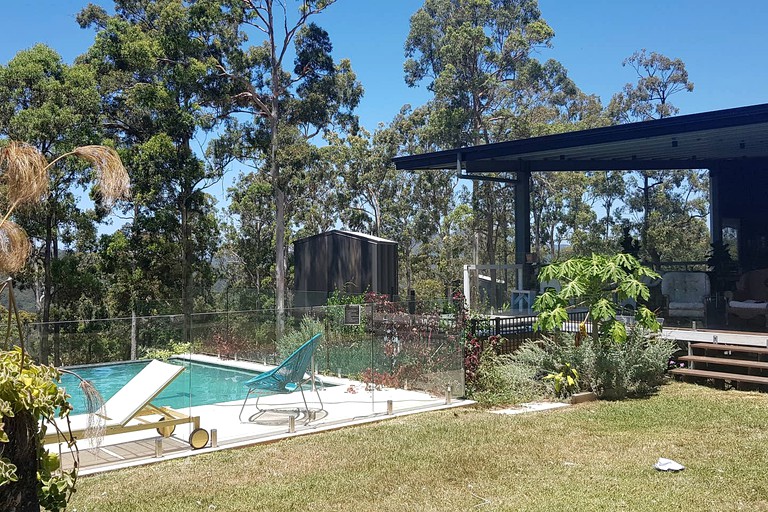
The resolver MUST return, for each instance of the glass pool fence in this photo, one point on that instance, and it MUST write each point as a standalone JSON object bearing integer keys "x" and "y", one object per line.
{"x": 395, "y": 345}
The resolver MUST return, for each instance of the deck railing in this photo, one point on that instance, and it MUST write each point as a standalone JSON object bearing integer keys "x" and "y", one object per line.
{"x": 517, "y": 329}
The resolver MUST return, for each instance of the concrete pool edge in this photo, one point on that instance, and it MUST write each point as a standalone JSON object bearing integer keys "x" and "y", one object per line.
{"x": 272, "y": 438}
{"x": 252, "y": 366}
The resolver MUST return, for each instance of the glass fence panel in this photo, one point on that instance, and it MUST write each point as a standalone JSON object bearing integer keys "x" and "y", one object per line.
{"x": 419, "y": 347}
{"x": 368, "y": 356}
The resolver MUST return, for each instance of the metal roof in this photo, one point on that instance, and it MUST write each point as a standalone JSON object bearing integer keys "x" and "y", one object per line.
{"x": 694, "y": 141}
{"x": 352, "y": 234}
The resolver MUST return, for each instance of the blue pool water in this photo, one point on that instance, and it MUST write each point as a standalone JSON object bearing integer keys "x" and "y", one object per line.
{"x": 198, "y": 384}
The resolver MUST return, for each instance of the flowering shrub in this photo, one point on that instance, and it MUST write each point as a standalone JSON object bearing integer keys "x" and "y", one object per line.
{"x": 226, "y": 344}
{"x": 473, "y": 349}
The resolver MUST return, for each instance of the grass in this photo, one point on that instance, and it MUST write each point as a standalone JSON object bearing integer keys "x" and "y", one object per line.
{"x": 596, "y": 456}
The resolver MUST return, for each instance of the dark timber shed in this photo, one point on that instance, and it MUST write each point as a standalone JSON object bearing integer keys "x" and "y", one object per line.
{"x": 344, "y": 261}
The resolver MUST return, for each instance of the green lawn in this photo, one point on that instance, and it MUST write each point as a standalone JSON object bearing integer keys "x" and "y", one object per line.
{"x": 595, "y": 456}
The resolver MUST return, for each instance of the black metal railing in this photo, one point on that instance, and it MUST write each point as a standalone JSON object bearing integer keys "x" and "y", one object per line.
{"x": 517, "y": 329}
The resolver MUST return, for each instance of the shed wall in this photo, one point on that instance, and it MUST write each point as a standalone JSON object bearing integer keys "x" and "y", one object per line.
{"x": 341, "y": 261}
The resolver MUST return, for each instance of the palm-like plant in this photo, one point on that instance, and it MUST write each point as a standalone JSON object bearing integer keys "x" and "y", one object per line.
{"x": 598, "y": 284}
{"x": 25, "y": 178}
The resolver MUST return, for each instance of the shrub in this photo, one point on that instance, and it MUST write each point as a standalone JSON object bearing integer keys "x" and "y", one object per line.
{"x": 292, "y": 340}
{"x": 163, "y": 354}
{"x": 635, "y": 367}
{"x": 29, "y": 476}
{"x": 566, "y": 380}
{"x": 612, "y": 370}
{"x": 501, "y": 380}
{"x": 549, "y": 353}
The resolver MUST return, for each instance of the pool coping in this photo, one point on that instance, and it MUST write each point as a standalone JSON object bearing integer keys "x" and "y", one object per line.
{"x": 268, "y": 439}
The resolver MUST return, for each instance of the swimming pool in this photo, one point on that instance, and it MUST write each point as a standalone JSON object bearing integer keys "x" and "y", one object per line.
{"x": 199, "y": 384}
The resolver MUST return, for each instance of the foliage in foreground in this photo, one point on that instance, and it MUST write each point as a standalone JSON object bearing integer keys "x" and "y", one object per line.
{"x": 28, "y": 393}
{"x": 600, "y": 284}
{"x": 595, "y": 456}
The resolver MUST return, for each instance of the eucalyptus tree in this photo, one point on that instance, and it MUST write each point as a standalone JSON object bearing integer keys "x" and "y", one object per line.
{"x": 666, "y": 200}
{"x": 158, "y": 76}
{"x": 250, "y": 241}
{"x": 54, "y": 108}
{"x": 312, "y": 95}
{"x": 478, "y": 58}
{"x": 414, "y": 204}
{"x": 608, "y": 188}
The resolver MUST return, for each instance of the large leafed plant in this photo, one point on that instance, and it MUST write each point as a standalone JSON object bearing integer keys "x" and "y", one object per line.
{"x": 598, "y": 284}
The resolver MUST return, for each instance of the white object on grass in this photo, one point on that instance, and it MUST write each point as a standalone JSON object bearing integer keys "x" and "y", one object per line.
{"x": 668, "y": 465}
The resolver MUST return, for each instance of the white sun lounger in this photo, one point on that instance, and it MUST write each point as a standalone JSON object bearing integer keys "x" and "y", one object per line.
{"x": 130, "y": 410}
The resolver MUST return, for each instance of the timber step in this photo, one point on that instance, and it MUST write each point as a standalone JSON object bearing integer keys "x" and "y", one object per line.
{"x": 707, "y": 374}
{"x": 730, "y": 348}
{"x": 726, "y": 361}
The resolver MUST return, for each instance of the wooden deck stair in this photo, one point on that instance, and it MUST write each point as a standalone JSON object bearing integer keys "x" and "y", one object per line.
{"x": 737, "y": 364}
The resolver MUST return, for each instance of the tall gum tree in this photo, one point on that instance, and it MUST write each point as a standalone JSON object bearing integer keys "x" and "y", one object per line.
{"x": 667, "y": 200}
{"x": 473, "y": 55}
{"x": 313, "y": 95}
{"x": 156, "y": 61}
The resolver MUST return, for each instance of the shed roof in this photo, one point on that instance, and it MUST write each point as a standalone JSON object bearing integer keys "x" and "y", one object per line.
{"x": 352, "y": 234}
{"x": 694, "y": 141}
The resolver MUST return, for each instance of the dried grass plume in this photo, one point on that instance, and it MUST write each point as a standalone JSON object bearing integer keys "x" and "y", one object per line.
{"x": 14, "y": 247}
{"x": 24, "y": 173}
{"x": 112, "y": 177}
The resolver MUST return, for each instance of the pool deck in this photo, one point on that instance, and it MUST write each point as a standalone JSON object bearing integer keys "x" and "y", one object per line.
{"x": 346, "y": 403}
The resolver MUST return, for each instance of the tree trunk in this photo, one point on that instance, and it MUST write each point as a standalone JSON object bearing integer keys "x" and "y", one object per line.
{"x": 274, "y": 172}
{"x": 490, "y": 244}
{"x": 646, "y": 209}
{"x": 56, "y": 325}
{"x": 475, "y": 224}
{"x": 21, "y": 450}
{"x": 57, "y": 343}
{"x": 135, "y": 234}
{"x": 186, "y": 269}
{"x": 47, "y": 288}
{"x": 408, "y": 271}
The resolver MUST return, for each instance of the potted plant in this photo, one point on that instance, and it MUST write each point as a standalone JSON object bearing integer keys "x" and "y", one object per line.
{"x": 723, "y": 271}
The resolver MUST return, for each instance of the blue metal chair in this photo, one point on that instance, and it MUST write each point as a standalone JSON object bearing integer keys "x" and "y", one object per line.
{"x": 291, "y": 375}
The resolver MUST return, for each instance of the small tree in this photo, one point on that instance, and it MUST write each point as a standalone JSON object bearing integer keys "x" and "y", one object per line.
{"x": 598, "y": 283}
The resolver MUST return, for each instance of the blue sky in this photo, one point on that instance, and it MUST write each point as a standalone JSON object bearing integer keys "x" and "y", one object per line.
{"x": 722, "y": 43}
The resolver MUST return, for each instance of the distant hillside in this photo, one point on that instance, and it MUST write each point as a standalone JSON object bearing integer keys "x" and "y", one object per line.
{"x": 25, "y": 300}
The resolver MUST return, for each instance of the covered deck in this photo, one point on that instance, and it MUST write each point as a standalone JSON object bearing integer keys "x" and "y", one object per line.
{"x": 731, "y": 144}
